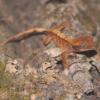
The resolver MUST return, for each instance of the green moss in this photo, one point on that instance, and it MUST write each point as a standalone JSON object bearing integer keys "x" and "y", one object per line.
{"x": 62, "y": 98}
{"x": 5, "y": 80}
{"x": 2, "y": 66}
{"x": 26, "y": 98}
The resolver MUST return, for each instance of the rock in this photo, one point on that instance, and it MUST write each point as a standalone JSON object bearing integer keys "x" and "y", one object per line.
{"x": 54, "y": 52}
{"x": 45, "y": 66}
{"x": 98, "y": 94}
{"x": 79, "y": 72}
{"x": 3, "y": 95}
{"x": 29, "y": 70}
{"x": 47, "y": 16}
{"x": 66, "y": 72}
{"x": 84, "y": 82}
{"x": 69, "y": 97}
{"x": 14, "y": 66}
{"x": 11, "y": 66}
{"x": 96, "y": 64}
{"x": 33, "y": 97}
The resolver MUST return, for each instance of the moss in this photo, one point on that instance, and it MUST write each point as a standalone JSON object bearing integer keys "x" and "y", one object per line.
{"x": 5, "y": 80}
{"x": 26, "y": 98}
{"x": 2, "y": 66}
{"x": 61, "y": 97}
{"x": 4, "y": 84}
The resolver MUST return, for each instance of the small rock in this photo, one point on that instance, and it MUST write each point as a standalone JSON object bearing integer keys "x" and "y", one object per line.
{"x": 33, "y": 97}
{"x": 45, "y": 66}
{"x": 98, "y": 92}
{"x": 54, "y": 52}
{"x": 29, "y": 70}
{"x": 66, "y": 72}
{"x": 70, "y": 97}
{"x": 78, "y": 96}
{"x": 11, "y": 66}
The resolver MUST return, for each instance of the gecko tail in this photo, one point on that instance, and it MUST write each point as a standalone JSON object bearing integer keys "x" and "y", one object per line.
{"x": 23, "y": 35}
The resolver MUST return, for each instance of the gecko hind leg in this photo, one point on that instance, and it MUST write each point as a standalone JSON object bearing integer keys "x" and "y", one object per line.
{"x": 65, "y": 60}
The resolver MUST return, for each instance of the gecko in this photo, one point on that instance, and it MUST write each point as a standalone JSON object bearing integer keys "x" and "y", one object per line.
{"x": 66, "y": 43}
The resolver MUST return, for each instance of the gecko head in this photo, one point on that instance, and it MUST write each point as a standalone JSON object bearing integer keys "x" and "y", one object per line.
{"x": 90, "y": 53}
{"x": 88, "y": 50}
{"x": 87, "y": 47}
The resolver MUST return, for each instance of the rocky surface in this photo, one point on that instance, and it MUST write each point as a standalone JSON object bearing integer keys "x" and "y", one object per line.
{"x": 31, "y": 71}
